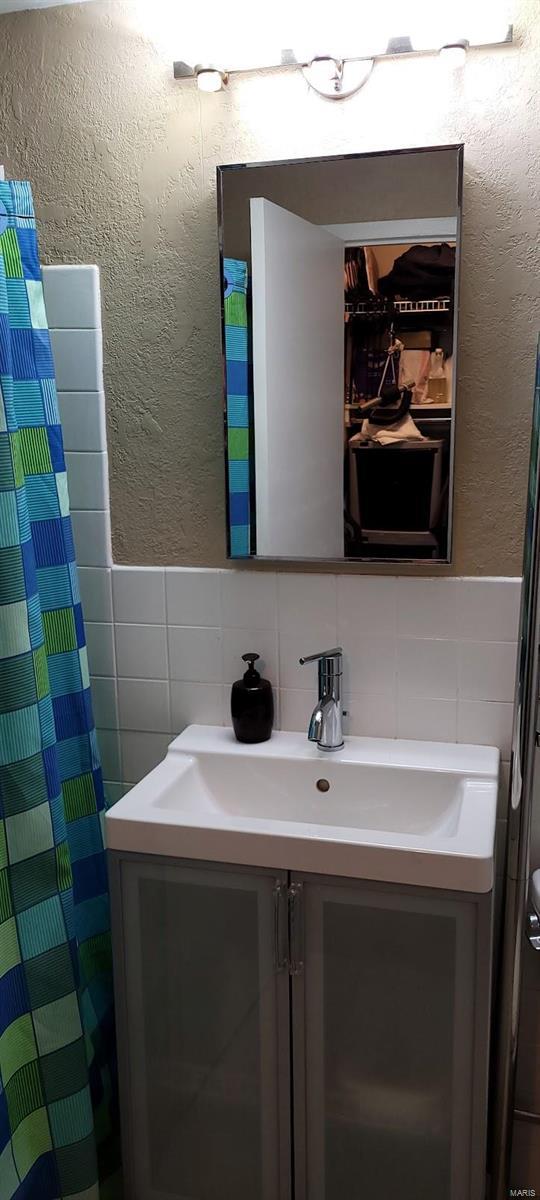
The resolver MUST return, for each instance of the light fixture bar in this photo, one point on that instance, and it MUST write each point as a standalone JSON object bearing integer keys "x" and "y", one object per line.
{"x": 396, "y": 47}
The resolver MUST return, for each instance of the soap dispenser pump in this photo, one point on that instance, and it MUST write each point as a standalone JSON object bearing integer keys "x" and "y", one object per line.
{"x": 252, "y": 705}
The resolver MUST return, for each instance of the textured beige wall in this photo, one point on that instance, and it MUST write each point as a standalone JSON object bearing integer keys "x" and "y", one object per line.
{"x": 123, "y": 160}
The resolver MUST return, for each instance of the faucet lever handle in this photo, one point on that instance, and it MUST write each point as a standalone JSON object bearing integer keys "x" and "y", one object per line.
{"x": 336, "y": 652}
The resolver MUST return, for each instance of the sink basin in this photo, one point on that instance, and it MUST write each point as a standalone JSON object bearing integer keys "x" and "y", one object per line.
{"x": 405, "y": 812}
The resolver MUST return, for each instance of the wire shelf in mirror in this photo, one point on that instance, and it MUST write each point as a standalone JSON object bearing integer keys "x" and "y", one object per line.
{"x": 366, "y": 308}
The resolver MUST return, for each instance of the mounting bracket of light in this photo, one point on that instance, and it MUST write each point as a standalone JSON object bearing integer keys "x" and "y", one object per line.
{"x": 337, "y": 78}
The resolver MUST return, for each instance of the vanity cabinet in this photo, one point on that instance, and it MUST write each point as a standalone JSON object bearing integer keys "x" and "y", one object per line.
{"x": 390, "y": 1028}
{"x": 203, "y": 1031}
{"x": 290, "y": 1036}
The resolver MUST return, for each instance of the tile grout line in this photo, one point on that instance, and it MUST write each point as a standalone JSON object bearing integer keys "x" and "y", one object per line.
{"x": 172, "y": 733}
{"x": 116, "y": 691}
{"x": 279, "y": 688}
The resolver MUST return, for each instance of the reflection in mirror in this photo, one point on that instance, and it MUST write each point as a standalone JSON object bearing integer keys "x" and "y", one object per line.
{"x": 339, "y": 291}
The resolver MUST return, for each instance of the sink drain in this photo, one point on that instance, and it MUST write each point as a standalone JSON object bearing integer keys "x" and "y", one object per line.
{"x": 323, "y": 785}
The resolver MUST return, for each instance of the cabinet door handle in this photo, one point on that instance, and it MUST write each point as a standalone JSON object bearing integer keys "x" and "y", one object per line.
{"x": 280, "y": 942}
{"x": 296, "y": 933}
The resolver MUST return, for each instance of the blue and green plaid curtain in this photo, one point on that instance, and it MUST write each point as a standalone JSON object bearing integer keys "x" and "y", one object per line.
{"x": 235, "y": 283}
{"x": 56, "y": 1017}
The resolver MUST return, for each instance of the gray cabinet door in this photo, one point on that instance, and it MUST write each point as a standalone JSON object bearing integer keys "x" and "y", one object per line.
{"x": 385, "y": 1061}
{"x": 203, "y": 1031}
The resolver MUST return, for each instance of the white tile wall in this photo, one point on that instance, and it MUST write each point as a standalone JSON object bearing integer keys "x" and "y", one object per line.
{"x": 196, "y": 704}
{"x": 77, "y": 359}
{"x": 369, "y": 712}
{"x": 379, "y": 607}
{"x": 96, "y": 593}
{"x": 104, "y": 702}
{"x": 487, "y": 669}
{"x": 141, "y": 651}
{"x": 110, "y": 750}
{"x": 296, "y": 708}
{"x": 100, "y": 645}
{"x": 434, "y": 720}
{"x": 427, "y": 608}
{"x": 427, "y": 668}
{"x": 83, "y": 420}
{"x": 92, "y": 536}
{"x": 141, "y": 752}
{"x": 371, "y": 661}
{"x": 192, "y": 597}
{"x": 72, "y": 302}
{"x": 485, "y": 723}
{"x": 72, "y": 296}
{"x": 172, "y": 672}
{"x": 144, "y": 705}
{"x": 195, "y": 654}
{"x": 88, "y": 483}
{"x": 248, "y": 600}
{"x": 488, "y": 610}
{"x": 139, "y": 595}
{"x": 307, "y": 603}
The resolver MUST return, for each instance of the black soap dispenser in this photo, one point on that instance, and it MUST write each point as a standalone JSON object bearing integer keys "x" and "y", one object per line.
{"x": 252, "y": 705}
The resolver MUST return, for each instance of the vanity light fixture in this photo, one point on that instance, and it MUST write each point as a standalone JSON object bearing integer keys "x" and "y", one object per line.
{"x": 336, "y": 78}
{"x": 209, "y": 78}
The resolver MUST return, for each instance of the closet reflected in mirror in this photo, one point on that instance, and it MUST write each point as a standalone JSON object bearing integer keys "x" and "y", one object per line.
{"x": 339, "y": 317}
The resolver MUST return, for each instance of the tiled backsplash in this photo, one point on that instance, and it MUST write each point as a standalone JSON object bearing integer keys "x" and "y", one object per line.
{"x": 424, "y": 658}
{"x": 165, "y": 644}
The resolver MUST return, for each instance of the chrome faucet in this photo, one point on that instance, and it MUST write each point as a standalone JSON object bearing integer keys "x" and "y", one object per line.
{"x": 325, "y": 726}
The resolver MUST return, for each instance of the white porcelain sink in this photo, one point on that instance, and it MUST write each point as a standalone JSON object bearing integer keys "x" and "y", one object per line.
{"x": 407, "y": 812}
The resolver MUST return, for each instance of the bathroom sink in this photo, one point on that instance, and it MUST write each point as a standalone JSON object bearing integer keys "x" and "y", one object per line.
{"x": 400, "y": 811}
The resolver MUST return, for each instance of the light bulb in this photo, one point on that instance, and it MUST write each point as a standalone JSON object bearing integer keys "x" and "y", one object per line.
{"x": 454, "y": 55}
{"x": 209, "y": 79}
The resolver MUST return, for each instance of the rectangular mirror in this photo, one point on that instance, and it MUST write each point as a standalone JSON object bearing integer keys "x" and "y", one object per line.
{"x": 339, "y": 318}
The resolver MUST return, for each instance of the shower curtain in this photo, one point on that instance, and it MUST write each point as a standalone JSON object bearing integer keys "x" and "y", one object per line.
{"x": 235, "y": 314}
{"x": 57, "y": 1089}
